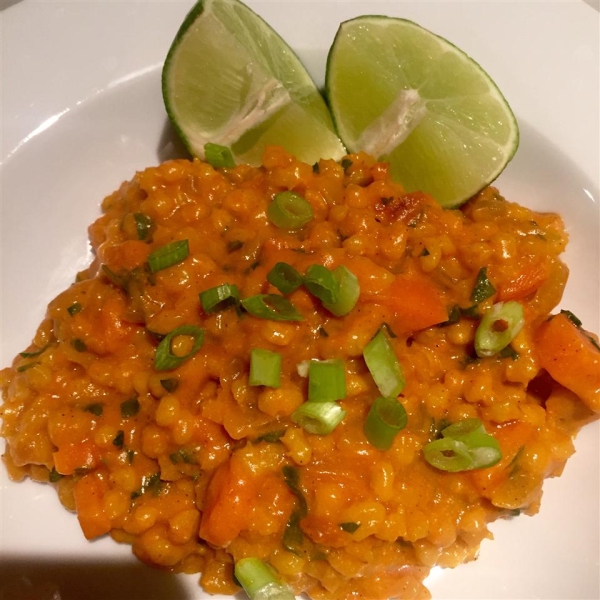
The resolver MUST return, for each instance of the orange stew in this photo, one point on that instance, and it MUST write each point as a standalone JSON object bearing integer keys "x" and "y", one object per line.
{"x": 196, "y": 468}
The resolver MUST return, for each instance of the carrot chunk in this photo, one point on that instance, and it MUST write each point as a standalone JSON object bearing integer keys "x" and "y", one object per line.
{"x": 79, "y": 455}
{"x": 570, "y": 357}
{"x": 89, "y": 502}
{"x": 416, "y": 302}
{"x": 525, "y": 283}
{"x": 228, "y": 504}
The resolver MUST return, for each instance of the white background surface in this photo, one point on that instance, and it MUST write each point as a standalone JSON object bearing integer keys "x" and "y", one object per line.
{"x": 82, "y": 110}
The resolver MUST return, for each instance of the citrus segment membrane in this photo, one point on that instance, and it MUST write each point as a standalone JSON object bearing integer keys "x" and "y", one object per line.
{"x": 230, "y": 79}
{"x": 406, "y": 95}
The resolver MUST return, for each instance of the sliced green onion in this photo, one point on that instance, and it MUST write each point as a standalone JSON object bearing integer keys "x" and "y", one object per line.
{"x": 234, "y": 245}
{"x": 321, "y": 283}
{"x": 449, "y": 455}
{"x": 265, "y": 368}
{"x": 144, "y": 226}
{"x": 219, "y": 298}
{"x": 165, "y": 360}
{"x": 285, "y": 278}
{"x": 259, "y": 581}
{"x": 289, "y": 210}
{"x": 483, "y": 287}
{"x": 119, "y": 439}
{"x": 96, "y": 408}
{"x": 462, "y": 428}
{"x": 170, "y": 384}
{"x": 168, "y": 255}
{"x": 36, "y": 353}
{"x": 326, "y": 380}
{"x": 385, "y": 419}
{"x": 466, "y": 437}
{"x": 130, "y": 408}
{"x": 271, "y": 306}
{"x": 349, "y": 292}
{"x": 320, "y": 418}
{"x": 218, "y": 156}
{"x": 498, "y": 328}
{"x": 384, "y": 366}
{"x": 74, "y": 308}
{"x": 483, "y": 448}
{"x": 79, "y": 345}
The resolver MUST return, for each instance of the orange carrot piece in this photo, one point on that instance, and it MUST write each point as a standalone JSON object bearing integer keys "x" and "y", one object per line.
{"x": 89, "y": 502}
{"x": 228, "y": 503}
{"x": 416, "y": 302}
{"x": 79, "y": 455}
{"x": 125, "y": 256}
{"x": 570, "y": 357}
{"x": 524, "y": 284}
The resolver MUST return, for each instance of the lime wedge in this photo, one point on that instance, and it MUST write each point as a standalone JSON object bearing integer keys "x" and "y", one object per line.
{"x": 408, "y": 96}
{"x": 231, "y": 80}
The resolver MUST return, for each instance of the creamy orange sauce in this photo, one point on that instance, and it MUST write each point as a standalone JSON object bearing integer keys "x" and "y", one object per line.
{"x": 195, "y": 468}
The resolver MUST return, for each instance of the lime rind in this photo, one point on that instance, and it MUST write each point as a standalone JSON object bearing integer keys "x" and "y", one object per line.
{"x": 230, "y": 79}
{"x": 432, "y": 111}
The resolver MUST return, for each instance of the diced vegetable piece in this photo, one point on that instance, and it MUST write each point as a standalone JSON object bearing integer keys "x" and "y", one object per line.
{"x": 165, "y": 360}
{"x": 320, "y": 418}
{"x": 416, "y": 302}
{"x": 168, "y": 255}
{"x": 384, "y": 366}
{"x": 265, "y": 368}
{"x": 289, "y": 210}
{"x": 259, "y": 581}
{"x": 326, "y": 380}
{"x": 219, "y": 298}
{"x": 348, "y": 294}
{"x": 89, "y": 494}
{"x": 218, "y": 156}
{"x": 498, "y": 328}
{"x": 384, "y": 420}
{"x": 571, "y": 358}
{"x": 285, "y": 278}
{"x": 271, "y": 306}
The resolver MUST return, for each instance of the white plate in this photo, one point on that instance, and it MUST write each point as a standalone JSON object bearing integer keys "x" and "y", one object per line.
{"x": 82, "y": 110}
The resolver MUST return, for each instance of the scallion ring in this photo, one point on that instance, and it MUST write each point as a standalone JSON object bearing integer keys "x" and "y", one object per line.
{"x": 385, "y": 419}
{"x": 285, "y": 278}
{"x": 265, "y": 368}
{"x": 259, "y": 581}
{"x": 169, "y": 255}
{"x": 470, "y": 436}
{"x": 384, "y": 366}
{"x": 321, "y": 283}
{"x": 271, "y": 306}
{"x": 219, "y": 297}
{"x": 165, "y": 360}
{"x": 448, "y": 454}
{"x": 218, "y": 156}
{"x": 498, "y": 327}
{"x": 348, "y": 294}
{"x": 319, "y": 418}
{"x": 483, "y": 288}
{"x": 326, "y": 380}
{"x": 289, "y": 210}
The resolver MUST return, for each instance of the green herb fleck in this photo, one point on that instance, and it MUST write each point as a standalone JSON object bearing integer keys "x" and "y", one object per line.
{"x": 74, "y": 308}
{"x": 130, "y": 407}
{"x": 96, "y": 408}
{"x": 79, "y": 345}
{"x": 119, "y": 439}
{"x": 349, "y": 527}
